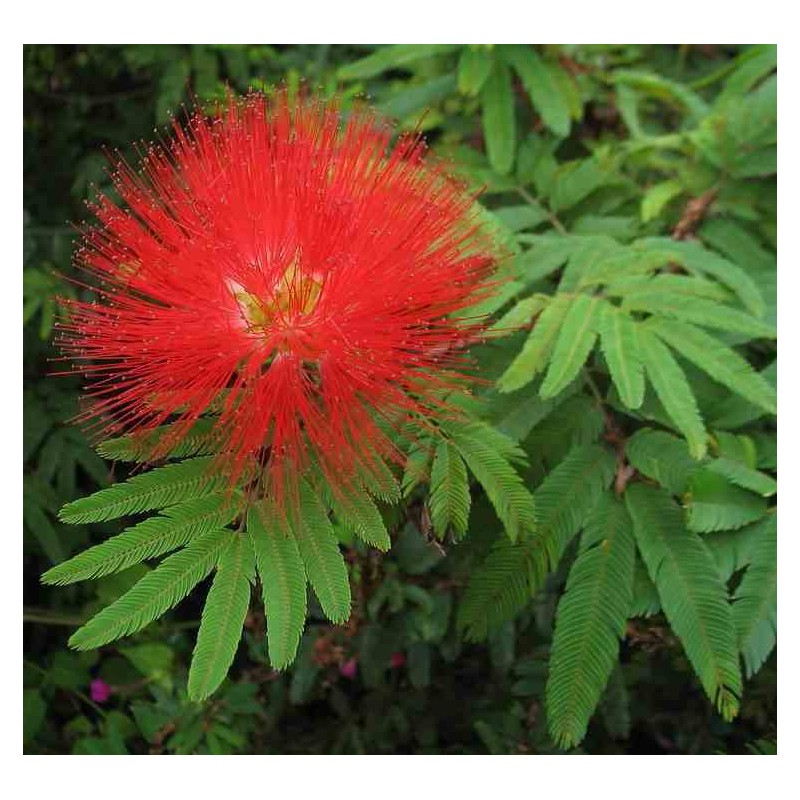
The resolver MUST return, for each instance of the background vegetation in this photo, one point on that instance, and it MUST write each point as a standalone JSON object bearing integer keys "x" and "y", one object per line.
{"x": 601, "y": 166}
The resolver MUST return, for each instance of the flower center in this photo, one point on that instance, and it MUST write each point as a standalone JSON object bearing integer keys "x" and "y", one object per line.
{"x": 294, "y": 295}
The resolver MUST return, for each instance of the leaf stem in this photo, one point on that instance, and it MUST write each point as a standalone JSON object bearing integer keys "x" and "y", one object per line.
{"x": 529, "y": 198}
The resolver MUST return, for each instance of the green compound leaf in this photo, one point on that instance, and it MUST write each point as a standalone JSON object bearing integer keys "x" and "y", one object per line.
{"x": 715, "y": 504}
{"x": 450, "y": 498}
{"x": 568, "y": 494}
{"x": 657, "y": 197}
{"x": 699, "y": 260}
{"x": 676, "y": 286}
{"x": 155, "y": 593}
{"x": 619, "y": 340}
{"x": 745, "y": 477}
{"x": 693, "y": 595}
{"x": 698, "y": 310}
{"x": 158, "y": 488}
{"x": 535, "y": 353}
{"x": 389, "y": 57}
{"x": 474, "y": 67}
{"x": 755, "y": 605}
{"x": 542, "y": 85}
{"x": 663, "y": 457}
{"x": 591, "y": 620}
{"x": 520, "y": 314}
{"x": 323, "y": 561}
{"x": 223, "y": 617}
{"x": 380, "y": 481}
{"x": 283, "y": 581}
{"x": 358, "y": 512}
{"x": 506, "y": 581}
{"x": 673, "y": 391}
{"x": 499, "y": 119}
{"x": 487, "y": 453}
{"x": 198, "y": 441}
{"x": 151, "y": 538}
{"x": 718, "y": 361}
{"x": 573, "y": 345}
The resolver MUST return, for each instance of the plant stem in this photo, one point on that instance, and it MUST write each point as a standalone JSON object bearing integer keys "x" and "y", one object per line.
{"x": 529, "y": 198}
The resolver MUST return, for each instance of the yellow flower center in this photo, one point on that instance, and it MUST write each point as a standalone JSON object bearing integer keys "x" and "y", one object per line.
{"x": 295, "y": 292}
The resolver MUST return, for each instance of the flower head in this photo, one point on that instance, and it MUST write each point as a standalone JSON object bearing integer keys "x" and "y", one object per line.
{"x": 306, "y": 280}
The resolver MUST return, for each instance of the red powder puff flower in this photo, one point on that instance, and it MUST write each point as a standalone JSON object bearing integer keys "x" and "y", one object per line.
{"x": 305, "y": 278}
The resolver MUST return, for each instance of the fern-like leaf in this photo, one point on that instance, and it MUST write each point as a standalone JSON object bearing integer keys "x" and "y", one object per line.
{"x": 569, "y": 493}
{"x": 357, "y": 511}
{"x": 674, "y": 285}
{"x": 283, "y": 581}
{"x": 513, "y": 571}
{"x": 501, "y": 586}
{"x": 743, "y": 476}
{"x": 673, "y": 391}
{"x": 700, "y": 311}
{"x": 699, "y": 260}
{"x": 379, "y": 480}
{"x": 591, "y": 620}
{"x": 506, "y": 447}
{"x": 692, "y": 594}
{"x": 718, "y": 361}
{"x": 714, "y": 504}
{"x": 139, "y": 447}
{"x": 323, "y": 561}
{"x": 450, "y": 498}
{"x": 663, "y": 457}
{"x": 619, "y": 340}
{"x": 520, "y": 314}
{"x": 503, "y": 485}
{"x": 575, "y": 341}
{"x": 155, "y": 593}
{"x": 151, "y": 538}
{"x": 645, "y": 600}
{"x": 418, "y": 464}
{"x": 731, "y": 549}
{"x": 755, "y": 605}
{"x": 158, "y": 488}
{"x": 535, "y": 353}
{"x": 624, "y": 264}
{"x": 223, "y": 617}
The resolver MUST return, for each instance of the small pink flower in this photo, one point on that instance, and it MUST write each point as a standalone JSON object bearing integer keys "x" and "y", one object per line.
{"x": 100, "y": 690}
{"x": 349, "y": 669}
{"x": 397, "y": 660}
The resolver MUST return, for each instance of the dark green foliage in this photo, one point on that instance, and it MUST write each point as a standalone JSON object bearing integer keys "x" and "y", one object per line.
{"x": 692, "y": 594}
{"x": 591, "y": 620}
{"x": 755, "y": 612}
{"x": 514, "y": 571}
{"x": 597, "y": 537}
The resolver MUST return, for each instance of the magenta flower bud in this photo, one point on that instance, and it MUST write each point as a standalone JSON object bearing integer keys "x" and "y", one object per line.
{"x": 349, "y": 669}
{"x": 99, "y": 690}
{"x": 398, "y": 660}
